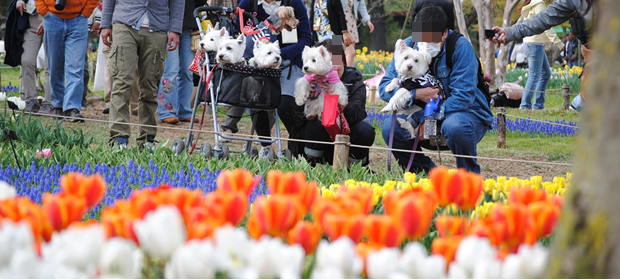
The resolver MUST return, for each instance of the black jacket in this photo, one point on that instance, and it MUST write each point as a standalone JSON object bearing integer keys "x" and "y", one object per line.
{"x": 16, "y": 25}
{"x": 189, "y": 22}
{"x": 446, "y": 6}
{"x": 335, "y": 13}
{"x": 356, "y": 109}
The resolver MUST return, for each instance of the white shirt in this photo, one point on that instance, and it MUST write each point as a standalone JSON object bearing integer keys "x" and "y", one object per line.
{"x": 518, "y": 54}
{"x": 269, "y": 8}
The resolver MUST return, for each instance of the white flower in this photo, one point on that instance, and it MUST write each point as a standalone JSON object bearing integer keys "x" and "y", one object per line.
{"x": 512, "y": 267}
{"x": 434, "y": 267}
{"x": 2, "y": 96}
{"x": 534, "y": 260}
{"x": 330, "y": 272}
{"x": 412, "y": 259}
{"x": 120, "y": 258}
{"x": 21, "y": 105}
{"x": 161, "y": 231}
{"x": 289, "y": 261}
{"x": 194, "y": 260}
{"x": 270, "y": 258}
{"x": 487, "y": 269}
{"x": 6, "y": 191}
{"x": 76, "y": 247}
{"x": 455, "y": 271}
{"x": 341, "y": 255}
{"x": 474, "y": 249}
{"x": 232, "y": 246}
{"x": 14, "y": 236}
{"x": 380, "y": 264}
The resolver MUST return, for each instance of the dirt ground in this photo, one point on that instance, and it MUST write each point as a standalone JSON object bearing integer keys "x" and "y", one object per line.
{"x": 378, "y": 158}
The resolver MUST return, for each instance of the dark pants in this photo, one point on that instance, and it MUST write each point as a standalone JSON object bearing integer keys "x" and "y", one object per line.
{"x": 362, "y": 133}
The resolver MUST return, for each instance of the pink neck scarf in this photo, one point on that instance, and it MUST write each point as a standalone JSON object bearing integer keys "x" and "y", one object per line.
{"x": 330, "y": 77}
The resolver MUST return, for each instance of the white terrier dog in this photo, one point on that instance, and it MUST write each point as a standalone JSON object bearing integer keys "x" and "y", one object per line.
{"x": 230, "y": 51}
{"x": 318, "y": 81}
{"x": 266, "y": 55}
{"x": 212, "y": 38}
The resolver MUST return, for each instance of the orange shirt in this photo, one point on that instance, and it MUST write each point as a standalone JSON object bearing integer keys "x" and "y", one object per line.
{"x": 73, "y": 8}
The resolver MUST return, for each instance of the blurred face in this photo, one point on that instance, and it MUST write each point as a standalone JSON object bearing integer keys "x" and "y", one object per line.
{"x": 571, "y": 36}
{"x": 337, "y": 52}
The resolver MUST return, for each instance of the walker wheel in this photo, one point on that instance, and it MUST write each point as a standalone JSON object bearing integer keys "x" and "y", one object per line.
{"x": 178, "y": 146}
{"x": 224, "y": 151}
{"x": 205, "y": 151}
{"x": 270, "y": 155}
{"x": 287, "y": 154}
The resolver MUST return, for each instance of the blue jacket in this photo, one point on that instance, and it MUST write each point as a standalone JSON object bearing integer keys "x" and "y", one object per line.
{"x": 304, "y": 35}
{"x": 460, "y": 83}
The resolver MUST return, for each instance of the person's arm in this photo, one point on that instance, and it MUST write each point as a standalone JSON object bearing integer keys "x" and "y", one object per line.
{"x": 355, "y": 111}
{"x": 558, "y": 12}
{"x": 462, "y": 86}
{"x": 364, "y": 11}
{"x": 42, "y": 8}
{"x": 106, "y": 14}
{"x": 177, "y": 7}
{"x": 304, "y": 35}
{"x": 90, "y": 7}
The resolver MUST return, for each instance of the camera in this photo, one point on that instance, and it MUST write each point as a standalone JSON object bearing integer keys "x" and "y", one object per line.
{"x": 488, "y": 33}
{"x": 60, "y": 5}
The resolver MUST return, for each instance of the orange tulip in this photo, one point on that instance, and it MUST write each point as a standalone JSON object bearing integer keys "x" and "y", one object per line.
{"x": 21, "y": 208}
{"x": 305, "y": 234}
{"x": 70, "y": 183}
{"x": 526, "y": 195}
{"x": 337, "y": 225}
{"x": 276, "y": 215}
{"x": 285, "y": 183}
{"x": 486, "y": 227}
{"x": 381, "y": 229}
{"x": 471, "y": 191}
{"x": 143, "y": 203}
{"x": 238, "y": 180}
{"x": 228, "y": 206}
{"x": 361, "y": 196}
{"x": 92, "y": 189}
{"x": 557, "y": 200}
{"x": 363, "y": 249}
{"x": 185, "y": 199}
{"x": 446, "y": 246}
{"x": 450, "y": 225}
{"x": 412, "y": 216}
{"x": 308, "y": 195}
{"x": 545, "y": 216}
{"x": 203, "y": 229}
{"x": 321, "y": 208}
{"x": 515, "y": 216}
{"x": 446, "y": 185}
{"x": 63, "y": 209}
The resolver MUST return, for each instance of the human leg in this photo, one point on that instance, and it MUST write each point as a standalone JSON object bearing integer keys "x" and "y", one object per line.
{"x": 350, "y": 53}
{"x": 167, "y": 93}
{"x": 463, "y": 131}
{"x": 55, "y": 51}
{"x": 186, "y": 77}
{"x": 32, "y": 44}
{"x": 362, "y": 133}
{"x": 541, "y": 87}
{"x": 403, "y": 141}
{"x": 315, "y": 131}
{"x": 233, "y": 116}
{"x": 535, "y": 61}
{"x": 76, "y": 43}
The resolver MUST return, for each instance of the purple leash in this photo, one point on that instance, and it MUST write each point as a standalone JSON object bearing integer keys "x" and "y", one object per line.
{"x": 415, "y": 145}
{"x": 391, "y": 141}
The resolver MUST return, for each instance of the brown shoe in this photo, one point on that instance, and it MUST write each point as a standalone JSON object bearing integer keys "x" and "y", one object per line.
{"x": 189, "y": 119}
{"x": 171, "y": 120}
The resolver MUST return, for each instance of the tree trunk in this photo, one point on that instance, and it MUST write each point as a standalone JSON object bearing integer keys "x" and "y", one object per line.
{"x": 504, "y": 55}
{"x": 458, "y": 5}
{"x": 480, "y": 13}
{"x": 489, "y": 46}
{"x": 587, "y": 244}
{"x": 471, "y": 18}
{"x": 377, "y": 38}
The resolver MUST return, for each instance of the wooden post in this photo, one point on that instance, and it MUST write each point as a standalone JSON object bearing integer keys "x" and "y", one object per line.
{"x": 341, "y": 151}
{"x": 371, "y": 94}
{"x": 566, "y": 95}
{"x": 501, "y": 127}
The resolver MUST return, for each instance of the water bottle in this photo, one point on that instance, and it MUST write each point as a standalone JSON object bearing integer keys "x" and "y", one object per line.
{"x": 430, "y": 118}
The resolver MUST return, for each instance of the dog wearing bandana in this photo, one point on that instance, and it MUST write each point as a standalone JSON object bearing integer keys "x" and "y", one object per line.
{"x": 320, "y": 78}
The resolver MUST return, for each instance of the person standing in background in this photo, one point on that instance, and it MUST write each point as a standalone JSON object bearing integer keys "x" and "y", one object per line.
{"x": 176, "y": 86}
{"x": 352, "y": 8}
{"x": 571, "y": 51}
{"x": 94, "y": 21}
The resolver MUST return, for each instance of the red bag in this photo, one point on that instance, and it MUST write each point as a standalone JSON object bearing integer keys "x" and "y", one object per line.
{"x": 199, "y": 59}
{"x": 333, "y": 117}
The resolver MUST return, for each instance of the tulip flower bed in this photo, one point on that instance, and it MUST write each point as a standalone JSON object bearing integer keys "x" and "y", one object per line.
{"x": 471, "y": 227}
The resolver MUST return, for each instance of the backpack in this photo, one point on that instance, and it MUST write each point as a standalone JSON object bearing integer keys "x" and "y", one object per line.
{"x": 254, "y": 5}
{"x": 450, "y": 46}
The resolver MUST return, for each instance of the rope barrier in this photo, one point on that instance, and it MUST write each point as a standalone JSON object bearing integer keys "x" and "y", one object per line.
{"x": 306, "y": 141}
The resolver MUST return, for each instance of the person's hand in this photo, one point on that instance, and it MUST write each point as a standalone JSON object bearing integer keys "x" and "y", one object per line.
{"x": 21, "y": 7}
{"x": 371, "y": 26}
{"x": 95, "y": 28}
{"x": 501, "y": 35}
{"x": 106, "y": 36}
{"x": 46, "y": 14}
{"x": 40, "y": 30}
{"x": 173, "y": 41}
{"x": 426, "y": 94}
{"x": 346, "y": 39}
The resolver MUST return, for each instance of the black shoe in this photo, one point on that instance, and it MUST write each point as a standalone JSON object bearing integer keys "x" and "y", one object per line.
{"x": 106, "y": 111}
{"x": 46, "y": 109}
{"x": 57, "y": 113}
{"x": 74, "y": 115}
{"x": 32, "y": 106}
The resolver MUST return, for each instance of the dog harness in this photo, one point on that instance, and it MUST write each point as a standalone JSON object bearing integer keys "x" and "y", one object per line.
{"x": 321, "y": 83}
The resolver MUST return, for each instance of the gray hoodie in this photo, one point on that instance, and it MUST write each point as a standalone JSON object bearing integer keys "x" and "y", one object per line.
{"x": 163, "y": 15}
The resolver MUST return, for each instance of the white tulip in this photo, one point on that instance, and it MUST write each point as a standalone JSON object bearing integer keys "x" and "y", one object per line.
{"x": 474, "y": 249}
{"x": 194, "y": 260}
{"x": 120, "y": 258}
{"x": 14, "y": 236}
{"x": 455, "y": 271}
{"x": 270, "y": 258}
{"x": 434, "y": 267}
{"x": 2, "y": 96}
{"x": 399, "y": 275}
{"x": 233, "y": 246}
{"x": 330, "y": 272}
{"x": 340, "y": 254}
{"x": 25, "y": 262}
{"x": 487, "y": 269}
{"x": 161, "y": 231}
{"x": 77, "y": 247}
{"x": 21, "y": 105}
{"x": 412, "y": 259}
{"x": 512, "y": 268}
{"x": 288, "y": 262}
{"x": 380, "y": 264}
{"x": 534, "y": 260}
{"x": 6, "y": 191}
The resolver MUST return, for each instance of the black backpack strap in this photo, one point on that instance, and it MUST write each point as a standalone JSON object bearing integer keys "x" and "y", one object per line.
{"x": 450, "y": 46}
{"x": 286, "y": 3}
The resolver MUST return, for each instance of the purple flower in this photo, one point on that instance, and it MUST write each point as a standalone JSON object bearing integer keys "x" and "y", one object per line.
{"x": 165, "y": 82}
{"x": 168, "y": 106}
{"x": 161, "y": 98}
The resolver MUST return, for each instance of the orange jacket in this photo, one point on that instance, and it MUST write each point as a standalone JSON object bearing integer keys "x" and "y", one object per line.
{"x": 73, "y": 8}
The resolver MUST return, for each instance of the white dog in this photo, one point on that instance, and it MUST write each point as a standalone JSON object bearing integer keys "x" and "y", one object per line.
{"x": 212, "y": 38}
{"x": 318, "y": 81}
{"x": 266, "y": 55}
{"x": 230, "y": 51}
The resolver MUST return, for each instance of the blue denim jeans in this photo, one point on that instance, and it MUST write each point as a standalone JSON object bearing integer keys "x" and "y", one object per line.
{"x": 540, "y": 73}
{"x": 573, "y": 63}
{"x": 175, "y": 87}
{"x": 65, "y": 43}
{"x": 462, "y": 130}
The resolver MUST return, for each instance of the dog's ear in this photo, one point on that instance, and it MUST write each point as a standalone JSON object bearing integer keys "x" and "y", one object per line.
{"x": 259, "y": 43}
{"x": 217, "y": 26}
{"x": 241, "y": 39}
{"x": 306, "y": 49}
{"x": 223, "y": 32}
{"x": 276, "y": 45}
{"x": 323, "y": 51}
{"x": 209, "y": 28}
{"x": 427, "y": 57}
{"x": 400, "y": 46}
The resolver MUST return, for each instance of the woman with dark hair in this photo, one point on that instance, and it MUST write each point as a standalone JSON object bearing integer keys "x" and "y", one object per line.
{"x": 580, "y": 13}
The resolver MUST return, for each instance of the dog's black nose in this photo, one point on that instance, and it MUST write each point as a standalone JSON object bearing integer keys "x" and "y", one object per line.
{"x": 221, "y": 56}
{"x": 409, "y": 67}
{"x": 277, "y": 58}
{"x": 306, "y": 68}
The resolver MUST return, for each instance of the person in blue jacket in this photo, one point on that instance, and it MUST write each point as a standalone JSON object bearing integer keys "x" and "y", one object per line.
{"x": 467, "y": 116}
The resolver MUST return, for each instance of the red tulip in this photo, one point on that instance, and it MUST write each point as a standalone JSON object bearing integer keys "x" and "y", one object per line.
{"x": 450, "y": 225}
{"x": 381, "y": 229}
{"x": 412, "y": 216}
{"x": 305, "y": 234}
{"x": 545, "y": 216}
{"x": 276, "y": 215}
{"x": 238, "y": 180}
{"x": 446, "y": 246}
{"x": 526, "y": 195}
{"x": 337, "y": 225}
